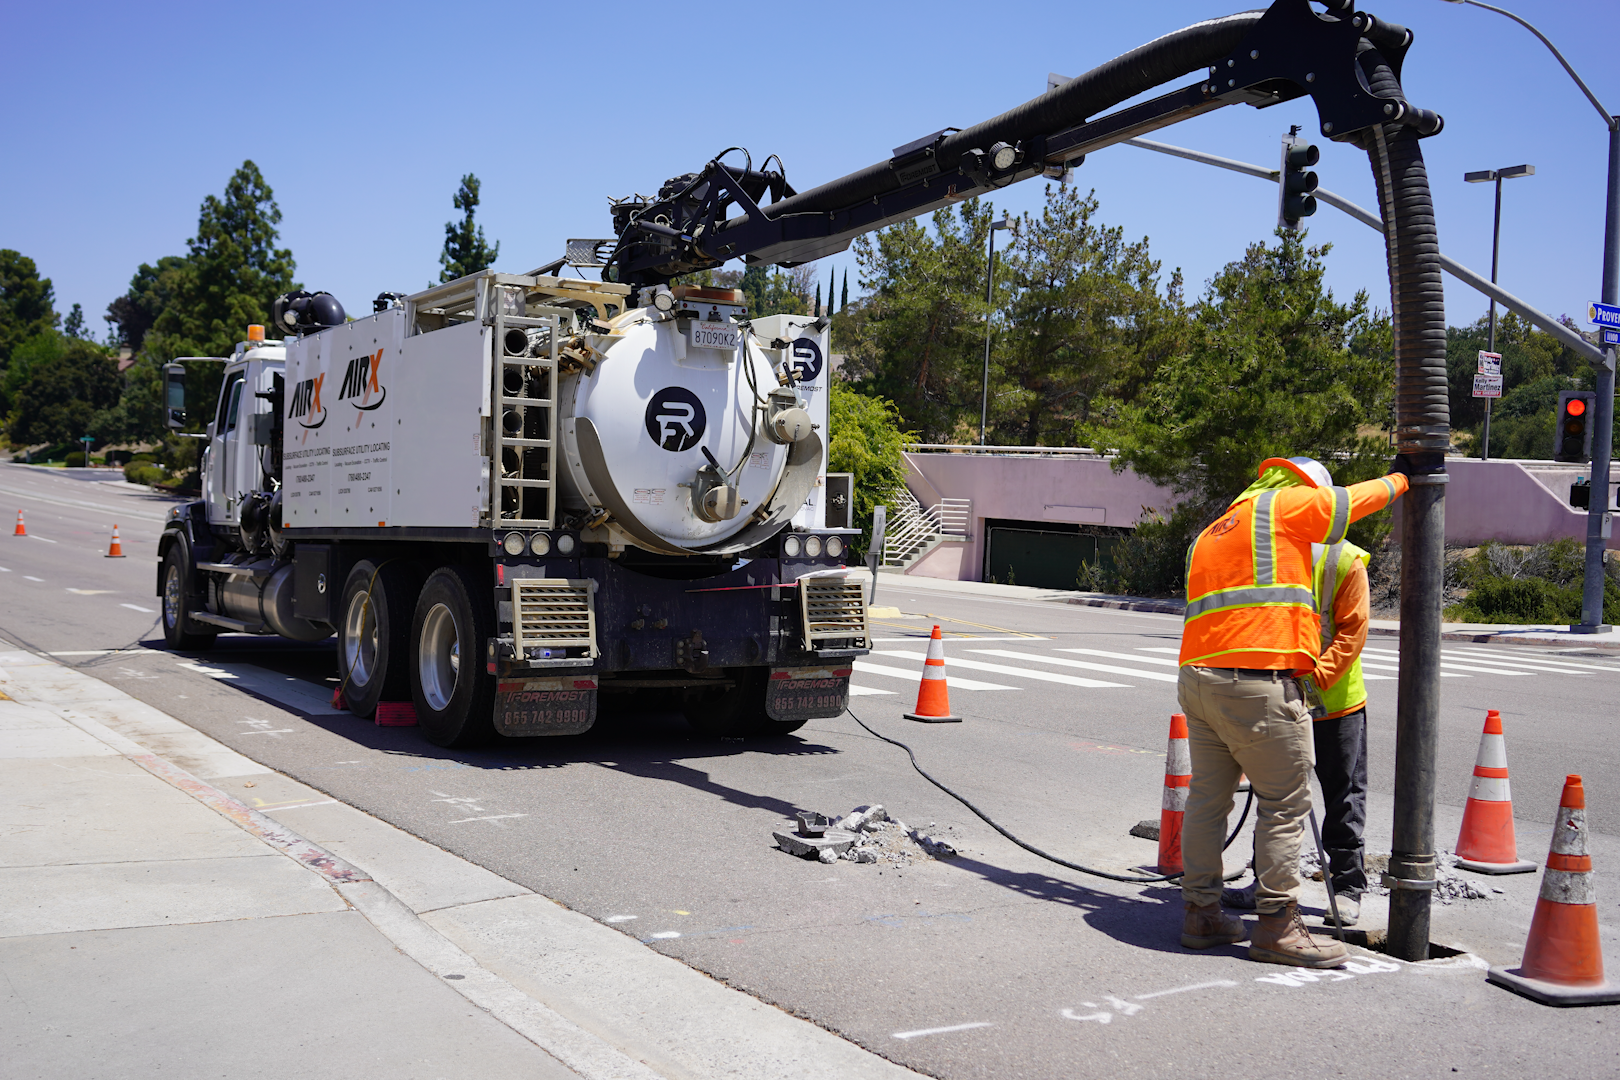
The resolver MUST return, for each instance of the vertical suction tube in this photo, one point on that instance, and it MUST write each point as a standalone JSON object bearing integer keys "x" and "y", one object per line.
{"x": 1423, "y": 426}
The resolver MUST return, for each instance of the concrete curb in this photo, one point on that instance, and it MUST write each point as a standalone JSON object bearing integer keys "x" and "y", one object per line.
{"x": 1130, "y": 603}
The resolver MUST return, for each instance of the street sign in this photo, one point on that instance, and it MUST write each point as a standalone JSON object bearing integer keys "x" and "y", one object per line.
{"x": 1610, "y": 337}
{"x": 1490, "y": 363}
{"x": 1488, "y": 386}
{"x": 1603, "y": 314}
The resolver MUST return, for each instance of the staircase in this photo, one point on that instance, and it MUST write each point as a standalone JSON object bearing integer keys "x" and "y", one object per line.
{"x": 914, "y": 529}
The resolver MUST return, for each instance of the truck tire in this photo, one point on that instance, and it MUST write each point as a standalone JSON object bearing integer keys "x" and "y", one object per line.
{"x": 373, "y": 632}
{"x": 453, "y": 692}
{"x": 178, "y": 628}
{"x": 735, "y": 711}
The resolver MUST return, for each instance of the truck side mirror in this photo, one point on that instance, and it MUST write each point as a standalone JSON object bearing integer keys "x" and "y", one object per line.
{"x": 174, "y": 395}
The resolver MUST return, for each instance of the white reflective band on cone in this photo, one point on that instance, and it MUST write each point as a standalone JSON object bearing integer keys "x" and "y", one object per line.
{"x": 1490, "y": 789}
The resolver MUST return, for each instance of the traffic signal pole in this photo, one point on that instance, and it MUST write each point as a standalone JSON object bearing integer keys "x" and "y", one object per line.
{"x": 1598, "y": 520}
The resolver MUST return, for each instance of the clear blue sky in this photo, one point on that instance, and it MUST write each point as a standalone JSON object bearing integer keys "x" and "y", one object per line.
{"x": 363, "y": 118}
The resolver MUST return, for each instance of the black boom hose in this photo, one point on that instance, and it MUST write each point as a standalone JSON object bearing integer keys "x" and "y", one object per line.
{"x": 1134, "y": 879}
{"x": 1193, "y": 48}
{"x": 1423, "y": 429}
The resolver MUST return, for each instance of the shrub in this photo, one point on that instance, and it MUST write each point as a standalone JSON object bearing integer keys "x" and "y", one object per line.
{"x": 1540, "y": 584}
{"x": 1152, "y": 560}
{"x": 75, "y": 459}
{"x": 142, "y": 472}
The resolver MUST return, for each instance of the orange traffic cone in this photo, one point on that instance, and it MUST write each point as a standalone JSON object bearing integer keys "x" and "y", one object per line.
{"x": 20, "y": 530}
{"x": 1486, "y": 842}
{"x": 115, "y": 551}
{"x": 1177, "y": 779}
{"x": 933, "y": 700}
{"x": 1563, "y": 959}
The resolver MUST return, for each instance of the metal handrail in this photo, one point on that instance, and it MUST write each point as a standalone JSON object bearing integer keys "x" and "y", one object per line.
{"x": 1054, "y": 451}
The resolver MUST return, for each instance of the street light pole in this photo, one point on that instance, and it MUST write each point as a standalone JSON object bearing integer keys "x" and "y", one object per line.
{"x": 1598, "y": 521}
{"x": 989, "y": 312}
{"x": 1486, "y": 176}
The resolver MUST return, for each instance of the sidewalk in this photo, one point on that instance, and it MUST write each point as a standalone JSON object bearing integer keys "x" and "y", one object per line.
{"x": 151, "y": 924}
{"x": 1493, "y": 633}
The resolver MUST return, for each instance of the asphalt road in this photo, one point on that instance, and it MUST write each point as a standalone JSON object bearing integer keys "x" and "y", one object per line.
{"x": 993, "y": 964}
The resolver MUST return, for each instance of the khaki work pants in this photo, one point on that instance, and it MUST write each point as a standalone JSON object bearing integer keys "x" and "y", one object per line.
{"x": 1253, "y": 722}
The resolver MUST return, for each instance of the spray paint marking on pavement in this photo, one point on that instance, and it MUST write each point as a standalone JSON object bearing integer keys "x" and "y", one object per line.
{"x": 942, "y": 1030}
{"x": 1185, "y": 989}
{"x": 137, "y": 607}
{"x": 1352, "y": 968}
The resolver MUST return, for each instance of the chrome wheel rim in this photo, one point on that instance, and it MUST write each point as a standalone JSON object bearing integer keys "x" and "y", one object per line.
{"x": 171, "y": 597}
{"x": 439, "y": 657}
{"x": 360, "y": 640}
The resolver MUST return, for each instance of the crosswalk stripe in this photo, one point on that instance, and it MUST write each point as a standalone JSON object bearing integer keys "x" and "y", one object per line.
{"x": 864, "y": 691}
{"x": 1520, "y": 660}
{"x": 1444, "y": 663}
{"x": 1368, "y": 664}
{"x": 1004, "y": 669}
{"x": 951, "y": 681}
{"x": 1122, "y": 656}
{"x": 1107, "y": 669}
{"x": 1160, "y": 648}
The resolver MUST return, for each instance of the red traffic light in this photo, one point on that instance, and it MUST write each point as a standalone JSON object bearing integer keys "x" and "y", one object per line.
{"x": 1575, "y": 407}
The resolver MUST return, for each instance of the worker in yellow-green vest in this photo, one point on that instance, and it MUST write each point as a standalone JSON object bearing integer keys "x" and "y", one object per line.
{"x": 1339, "y": 730}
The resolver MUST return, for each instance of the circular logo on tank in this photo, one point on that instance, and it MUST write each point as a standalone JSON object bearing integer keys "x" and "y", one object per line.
{"x": 675, "y": 419}
{"x": 804, "y": 359}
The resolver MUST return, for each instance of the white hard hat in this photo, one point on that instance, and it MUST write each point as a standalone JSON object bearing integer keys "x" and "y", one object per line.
{"x": 1311, "y": 473}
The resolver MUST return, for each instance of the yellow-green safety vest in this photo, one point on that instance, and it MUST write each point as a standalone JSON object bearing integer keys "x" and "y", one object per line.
{"x": 1332, "y": 568}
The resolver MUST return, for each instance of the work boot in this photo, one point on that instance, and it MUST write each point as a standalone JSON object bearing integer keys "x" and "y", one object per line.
{"x": 1240, "y": 899}
{"x": 1280, "y": 937}
{"x": 1349, "y": 910}
{"x": 1208, "y": 926}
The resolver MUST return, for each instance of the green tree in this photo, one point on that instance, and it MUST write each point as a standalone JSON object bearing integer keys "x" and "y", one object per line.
{"x": 26, "y": 302}
{"x": 1083, "y": 319}
{"x": 770, "y": 292}
{"x": 465, "y": 250}
{"x": 74, "y": 326}
{"x": 919, "y": 338}
{"x": 843, "y": 301}
{"x": 151, "y": 290}
{"x": 1274, "y": 367}
{"x": 229, "y": 279}
{"x": 56, "y": 386}
{"x": 866, "y": 439}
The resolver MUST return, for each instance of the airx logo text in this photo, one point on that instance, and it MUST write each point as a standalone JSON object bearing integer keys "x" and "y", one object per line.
{"x": 306, "y": 401}
{"x": 360, "y": 381}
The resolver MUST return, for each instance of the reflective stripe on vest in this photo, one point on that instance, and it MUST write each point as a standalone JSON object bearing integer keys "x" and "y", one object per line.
{"x": 1330, "y": 572}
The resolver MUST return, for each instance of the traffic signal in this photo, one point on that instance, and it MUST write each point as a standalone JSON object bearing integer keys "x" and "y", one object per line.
{"x": 1572, "y": 438}
{"x": 1295, "y": 182}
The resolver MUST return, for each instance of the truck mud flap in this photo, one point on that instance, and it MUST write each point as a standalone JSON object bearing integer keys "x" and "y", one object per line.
{"x": 807, "y": 693}
{"x": 560, "y": 705}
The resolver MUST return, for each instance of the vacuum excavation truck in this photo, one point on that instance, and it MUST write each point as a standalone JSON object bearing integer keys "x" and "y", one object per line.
{"x": 509, "y": 494}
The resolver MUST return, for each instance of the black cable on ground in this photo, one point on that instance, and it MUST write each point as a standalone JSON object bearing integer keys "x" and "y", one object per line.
{"x": 1133, "y": 879}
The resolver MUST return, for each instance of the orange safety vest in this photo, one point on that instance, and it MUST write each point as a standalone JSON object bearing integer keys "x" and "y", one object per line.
{"x": 1249, "y": 598}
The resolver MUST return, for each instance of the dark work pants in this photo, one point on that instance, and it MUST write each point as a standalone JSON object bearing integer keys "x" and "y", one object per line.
{"x": 1341, "y": 769}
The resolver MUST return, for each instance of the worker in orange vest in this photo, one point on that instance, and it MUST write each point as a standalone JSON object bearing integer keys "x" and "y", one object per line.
{"x": 1251, "y": 632}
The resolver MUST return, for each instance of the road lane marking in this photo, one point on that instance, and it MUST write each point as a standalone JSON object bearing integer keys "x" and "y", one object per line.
{"x": 1107, "y": 669}
{"x": 620, "y": 918}
{"x": 1160, "y": 648}
{"x": 31, "y": 577}
{"x": 1395, "y": 656}
{"x": 1123, "y": 656}
{"x": 865, "y": 691}
{"x": 1519, "y": 660}
{"x": 970, "y": 622}
{"x": 941, "y": 1030}
{"x": 951, "y": 681}
{"x": 41, "y": 539}
{"x": 923, "y": 635}
{"x": 488, "y": 817}
{"x": 1370, "y": 665}
{"x": 664, "y": 935}
{"x": 5, "y": 569}
{"x": 89, "y": 592}
{"x": 137, "y": 607}
{"x": 1005, "y": 669}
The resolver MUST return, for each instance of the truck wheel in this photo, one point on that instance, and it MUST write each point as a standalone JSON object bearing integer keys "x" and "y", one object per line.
{"x": 738, "y": 710}
{"x": 373, "y": 632}
{"x": 178, "y": 629}
{"x": 453, "y": 692}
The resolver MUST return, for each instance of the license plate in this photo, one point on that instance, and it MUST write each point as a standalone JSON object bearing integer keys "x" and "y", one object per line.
{"x": 715, "y": 335}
